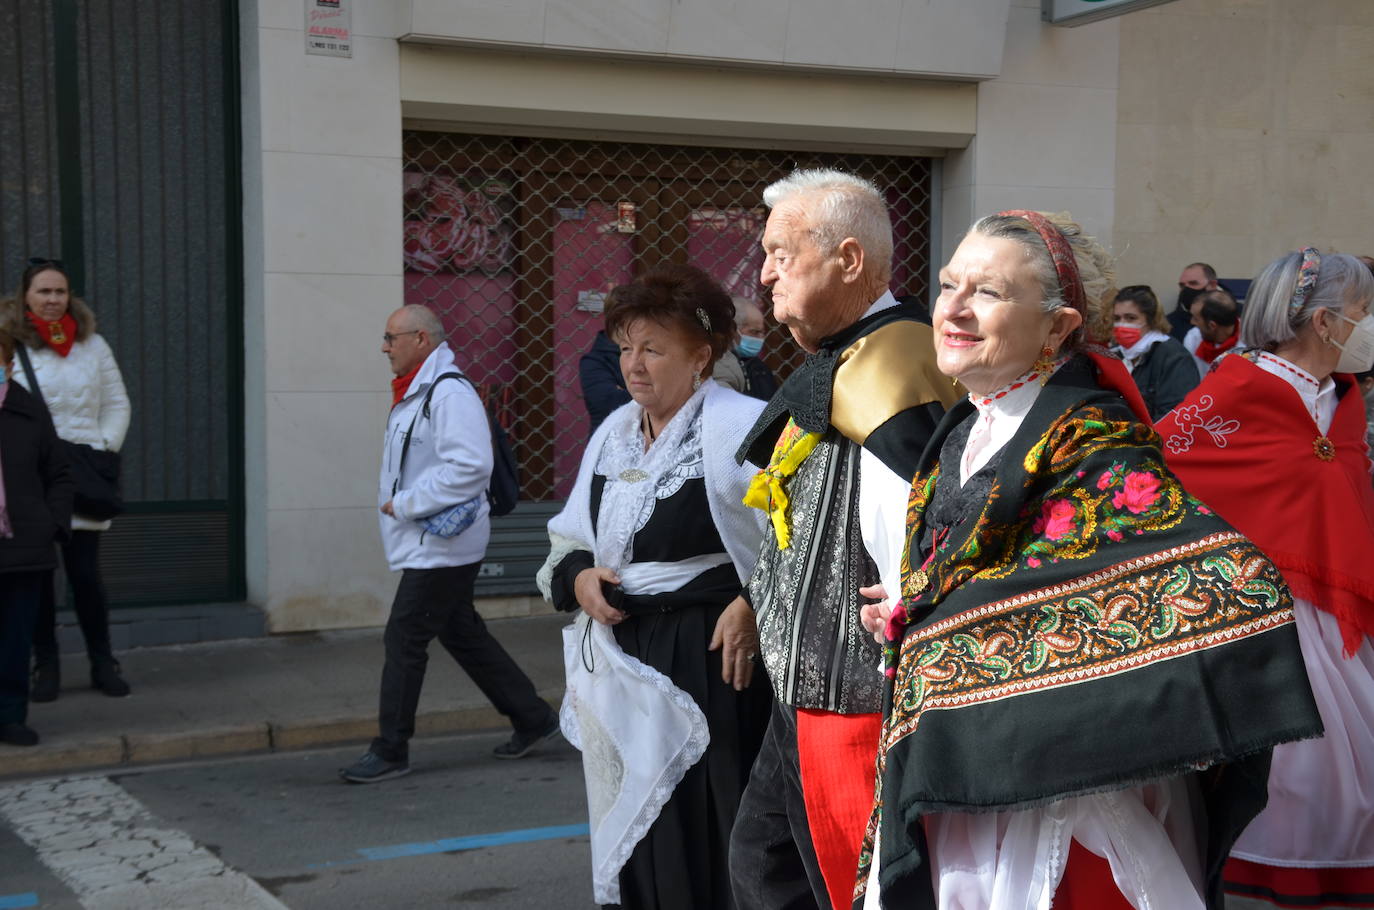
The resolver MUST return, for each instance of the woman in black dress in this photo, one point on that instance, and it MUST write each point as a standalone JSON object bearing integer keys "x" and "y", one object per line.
{"x": 654, "y": 548}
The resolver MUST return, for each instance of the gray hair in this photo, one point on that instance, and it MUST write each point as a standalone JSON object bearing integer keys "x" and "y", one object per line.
{"x": 421, "y": 318}
{"x": 1095, "y": 268}
{"x": 845, "y": 206}
{"x": 1267, "y": 322}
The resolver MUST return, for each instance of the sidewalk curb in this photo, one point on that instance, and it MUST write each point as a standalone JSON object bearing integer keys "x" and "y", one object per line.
{"x": 131, "y": 750}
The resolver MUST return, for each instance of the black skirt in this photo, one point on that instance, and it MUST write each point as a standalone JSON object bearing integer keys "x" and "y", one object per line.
{"x": 682, "y": 863}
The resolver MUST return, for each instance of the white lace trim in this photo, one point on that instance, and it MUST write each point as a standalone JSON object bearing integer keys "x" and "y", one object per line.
{"x": 668, "y": 461}
{"x": 658, "y": 727}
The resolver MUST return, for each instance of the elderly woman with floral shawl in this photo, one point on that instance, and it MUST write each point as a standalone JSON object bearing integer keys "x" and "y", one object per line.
{"x": 1087, "y": 667}
{"x": 653, "y": 548}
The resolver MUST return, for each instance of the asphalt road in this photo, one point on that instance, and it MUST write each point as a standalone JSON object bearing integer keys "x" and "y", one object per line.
{"x": 265, "y": 832}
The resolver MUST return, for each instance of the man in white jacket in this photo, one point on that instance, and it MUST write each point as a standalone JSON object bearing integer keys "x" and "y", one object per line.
{"x": 447, "y": 461}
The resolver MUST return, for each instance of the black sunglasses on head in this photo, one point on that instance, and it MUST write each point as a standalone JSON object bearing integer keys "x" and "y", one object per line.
{"x": 35, "y": 261}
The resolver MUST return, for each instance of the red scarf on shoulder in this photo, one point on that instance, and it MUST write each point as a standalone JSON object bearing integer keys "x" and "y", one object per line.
{"x": 1244, "y": 444}
{"x": 59, "y": 335}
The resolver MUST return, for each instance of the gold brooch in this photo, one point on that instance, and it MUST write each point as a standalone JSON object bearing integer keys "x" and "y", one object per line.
{"x": 919, "y": 581}
{"x": 59, "y": 335}
{"x": 1324, "y": 448}
{"x": 633, "y": 475}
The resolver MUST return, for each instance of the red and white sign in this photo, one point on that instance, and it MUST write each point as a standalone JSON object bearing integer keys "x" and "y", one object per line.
{"x": 329, "y": 27}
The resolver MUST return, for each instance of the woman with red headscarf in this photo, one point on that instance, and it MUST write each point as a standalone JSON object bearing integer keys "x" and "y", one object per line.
{"x": 1087, "y": 667}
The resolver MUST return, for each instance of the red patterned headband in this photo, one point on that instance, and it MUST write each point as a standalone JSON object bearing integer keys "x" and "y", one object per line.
{"x": 1065, "y": 266}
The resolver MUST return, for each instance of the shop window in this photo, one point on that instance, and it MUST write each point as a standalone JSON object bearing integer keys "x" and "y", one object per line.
{"x": 515, "y": 241}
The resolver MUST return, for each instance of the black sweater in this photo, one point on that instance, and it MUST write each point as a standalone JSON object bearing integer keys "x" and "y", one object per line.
{"x": 38, "y": 484}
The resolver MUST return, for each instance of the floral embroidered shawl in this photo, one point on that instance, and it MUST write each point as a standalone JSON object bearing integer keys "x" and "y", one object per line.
{"x": 1091, "y": 627}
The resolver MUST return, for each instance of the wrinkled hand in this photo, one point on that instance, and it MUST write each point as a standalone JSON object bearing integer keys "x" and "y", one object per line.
{"x": 737, "y": 637}
{"x": 587, "y": 589}
{"x": 874, "y": 616}
{"x": 387, "y": 509}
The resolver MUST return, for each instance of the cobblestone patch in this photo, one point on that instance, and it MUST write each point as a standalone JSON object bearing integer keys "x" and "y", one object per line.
{"x": 116, "y": 855}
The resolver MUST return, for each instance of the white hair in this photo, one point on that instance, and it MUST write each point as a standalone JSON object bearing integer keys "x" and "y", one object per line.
{"x": 844, "y": 206}
{"x": 422, "y": 318}
{"x": 1267, "y": 322}
{"x": 1096, "y": 270}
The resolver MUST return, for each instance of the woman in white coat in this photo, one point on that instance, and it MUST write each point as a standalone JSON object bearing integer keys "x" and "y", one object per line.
{"x": 76, "y": 374}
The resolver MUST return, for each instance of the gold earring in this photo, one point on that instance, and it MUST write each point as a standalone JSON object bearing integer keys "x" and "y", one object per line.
{"x": 1045, "y": 364}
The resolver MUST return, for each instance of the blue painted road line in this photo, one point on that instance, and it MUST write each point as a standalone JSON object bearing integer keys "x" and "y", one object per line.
{"x": 452, "y": 844}
{"x": 28, "y": 899}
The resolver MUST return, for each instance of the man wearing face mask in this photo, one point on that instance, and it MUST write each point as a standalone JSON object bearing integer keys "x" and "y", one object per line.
{"x": 1274, "y": 440}
{"x": 759, "y": 381}
{"x": 1195, "y": 278}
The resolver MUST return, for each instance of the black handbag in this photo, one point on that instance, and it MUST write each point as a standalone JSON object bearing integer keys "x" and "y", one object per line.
{"x": 94, "y": 472}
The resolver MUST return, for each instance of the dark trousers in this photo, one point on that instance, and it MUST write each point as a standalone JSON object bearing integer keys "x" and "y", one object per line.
{"x": 18, "y": 612}
{"x": 437, "y": 603}
{"x": 81, "y": 561}
{"x": 773, "y": 864}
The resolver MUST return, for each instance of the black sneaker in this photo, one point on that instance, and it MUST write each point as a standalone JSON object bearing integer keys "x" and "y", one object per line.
{"x": 18, "y": 735}
{"x": 521, "y": 744}
{"x": 372, "y": 768}
{"x": 47, "y": 681}
{"x": 105, "y": 677}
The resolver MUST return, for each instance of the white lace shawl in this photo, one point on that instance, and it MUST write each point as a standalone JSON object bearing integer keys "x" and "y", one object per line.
{"x": 726, "y": 416}
{"x": 639, "y": 733}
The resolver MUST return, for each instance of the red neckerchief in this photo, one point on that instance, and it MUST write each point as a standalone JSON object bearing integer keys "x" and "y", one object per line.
{"x": 1244, "y": 443}
{"x": 59, "y": 335}
{"x": 400, "y": 384}
{"x": 1210, "y": 351}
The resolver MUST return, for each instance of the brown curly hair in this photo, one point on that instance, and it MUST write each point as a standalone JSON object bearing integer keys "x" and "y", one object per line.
{"x": 675, "y": 295}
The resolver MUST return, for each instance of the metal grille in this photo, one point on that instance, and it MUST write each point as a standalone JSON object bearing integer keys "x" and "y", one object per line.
{"x": 118, "y": 151}
{"x": 514, "y": 242}
{"x": 29, "y": 222}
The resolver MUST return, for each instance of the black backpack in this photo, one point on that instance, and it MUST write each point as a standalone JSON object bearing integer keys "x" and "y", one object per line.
{"x": 503, "y": 492}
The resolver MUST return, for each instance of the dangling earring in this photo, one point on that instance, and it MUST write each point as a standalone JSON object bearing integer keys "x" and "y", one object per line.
{"x": 1045, "y": 364}
{"x": 696, "y": 382}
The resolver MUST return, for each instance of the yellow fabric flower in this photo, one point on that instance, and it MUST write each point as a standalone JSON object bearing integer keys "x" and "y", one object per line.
{"x": 767, "y": 491}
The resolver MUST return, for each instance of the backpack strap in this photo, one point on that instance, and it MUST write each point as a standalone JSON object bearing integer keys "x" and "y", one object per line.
{"x": 424, "y": 409}
{"x": 22, "y": 350}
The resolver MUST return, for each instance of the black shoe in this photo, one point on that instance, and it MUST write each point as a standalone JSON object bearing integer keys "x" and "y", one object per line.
{"x": 18, "y": 735}
{"x": 106, "y": 677}
{"x": 521, "y": 744}
{"x": 372, "y": 768}
{"x": 47, "y": 681}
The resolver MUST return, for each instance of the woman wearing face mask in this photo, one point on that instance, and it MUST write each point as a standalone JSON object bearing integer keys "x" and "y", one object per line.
{"x": 75, "y": 373}
{"x": 1274, "y": 440}
{"x": 1160, "y": 365}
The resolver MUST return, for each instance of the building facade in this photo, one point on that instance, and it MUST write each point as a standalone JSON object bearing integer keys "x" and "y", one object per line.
{"x": 507, "y": 163}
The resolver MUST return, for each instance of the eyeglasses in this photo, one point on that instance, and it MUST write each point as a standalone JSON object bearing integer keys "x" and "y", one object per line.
{"x": 388, "y": 338}
{"x": 36, "y": 261}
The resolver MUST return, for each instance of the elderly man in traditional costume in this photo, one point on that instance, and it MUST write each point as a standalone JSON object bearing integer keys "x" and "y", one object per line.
{"x": 1274, "y": 440}
{"x": 839, "y": 443}
{"x": 1087, "y": 666}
